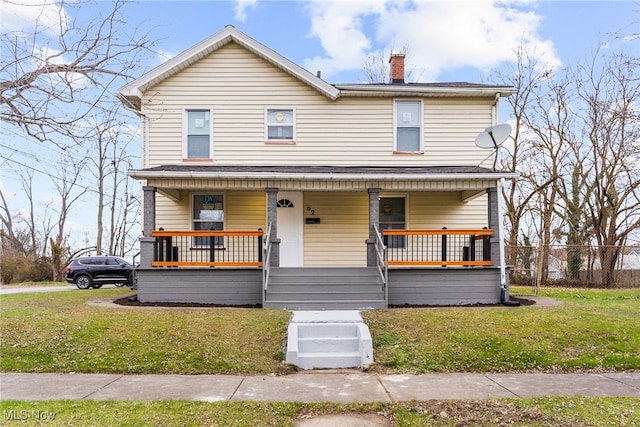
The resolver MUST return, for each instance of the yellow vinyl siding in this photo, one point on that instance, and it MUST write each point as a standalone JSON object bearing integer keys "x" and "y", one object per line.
{"x": 244, "y": 211}
{"x": 339, "y": 239}
{"x": 351, "y": 131}
{"x": 171, "y": 214}
{"x": 434, "y": 210}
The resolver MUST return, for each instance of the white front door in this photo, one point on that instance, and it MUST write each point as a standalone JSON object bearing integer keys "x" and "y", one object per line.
{"x": 290, "y": 229}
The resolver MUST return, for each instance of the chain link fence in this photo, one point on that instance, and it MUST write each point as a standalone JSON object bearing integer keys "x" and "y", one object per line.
{"x": 571, "y": 266}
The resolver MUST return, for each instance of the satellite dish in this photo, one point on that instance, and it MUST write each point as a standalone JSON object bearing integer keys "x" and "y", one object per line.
{"x": 493, "y": 136}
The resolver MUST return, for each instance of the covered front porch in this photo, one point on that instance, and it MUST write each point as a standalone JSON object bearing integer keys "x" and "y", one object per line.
{"x": 321, "y": 241}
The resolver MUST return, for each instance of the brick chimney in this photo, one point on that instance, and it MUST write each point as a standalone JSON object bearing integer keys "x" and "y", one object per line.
{"x": 397, "y": 67}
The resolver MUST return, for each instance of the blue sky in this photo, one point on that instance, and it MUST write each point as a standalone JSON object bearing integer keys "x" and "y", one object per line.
{"x": 450, "y": 40}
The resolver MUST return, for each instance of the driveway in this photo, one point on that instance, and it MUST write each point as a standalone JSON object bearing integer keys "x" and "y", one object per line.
{"x": 8, "y": 290}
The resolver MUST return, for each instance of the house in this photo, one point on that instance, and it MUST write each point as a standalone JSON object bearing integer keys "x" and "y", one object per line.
{"x": 264, "y": 184}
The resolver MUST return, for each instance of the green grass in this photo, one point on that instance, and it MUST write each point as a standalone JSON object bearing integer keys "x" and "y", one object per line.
{"x": 60, "y": 332}
{"x": 524, "y": 412}
{"x": 593, "y": 330}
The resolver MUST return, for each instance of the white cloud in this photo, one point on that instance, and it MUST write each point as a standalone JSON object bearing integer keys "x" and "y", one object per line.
{"x": 338, "y": 25}
{"x": 441, "y": 35}
{"x": 165, "y": 55}
{"x": 241, "y": 9}
{"x": 26, "y": 15}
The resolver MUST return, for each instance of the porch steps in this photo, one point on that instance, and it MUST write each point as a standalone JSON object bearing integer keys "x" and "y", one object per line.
{"x": 328, "y": 340}
{"x": 348, "y": 288}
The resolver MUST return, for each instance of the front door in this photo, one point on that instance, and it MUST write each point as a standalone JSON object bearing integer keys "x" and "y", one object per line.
{"x": 290, "y": 229}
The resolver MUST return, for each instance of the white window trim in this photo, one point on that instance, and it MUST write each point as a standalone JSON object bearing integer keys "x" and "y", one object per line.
{"x": 291, "y": 141}
{"x": 185, "y": 130}
{"x": 395, "y": 125}
{"x": 224, "y": 209}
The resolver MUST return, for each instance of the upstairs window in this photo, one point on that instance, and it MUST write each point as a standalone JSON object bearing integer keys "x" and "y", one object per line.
{"x": 198, "y": 134}
{"x": 280, "y": 125}
{"x": 408, "y": 126}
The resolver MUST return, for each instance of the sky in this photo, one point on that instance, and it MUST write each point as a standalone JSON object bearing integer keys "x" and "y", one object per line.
{"x": 448, "y": 41}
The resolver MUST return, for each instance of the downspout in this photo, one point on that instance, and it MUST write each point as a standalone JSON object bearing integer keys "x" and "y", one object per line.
{"x": 504, "y": 290}
{"x": 145, "y": 140}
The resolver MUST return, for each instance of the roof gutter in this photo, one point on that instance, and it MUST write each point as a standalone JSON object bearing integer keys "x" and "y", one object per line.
{"x": 142, "y": 174}
{"x": 449, "y": 90}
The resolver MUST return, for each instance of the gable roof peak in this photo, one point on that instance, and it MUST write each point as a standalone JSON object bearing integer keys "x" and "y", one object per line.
{"x": 132, "y": 92}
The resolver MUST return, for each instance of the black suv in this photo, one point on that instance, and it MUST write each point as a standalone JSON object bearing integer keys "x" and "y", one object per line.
{"x": 95, "y": 271}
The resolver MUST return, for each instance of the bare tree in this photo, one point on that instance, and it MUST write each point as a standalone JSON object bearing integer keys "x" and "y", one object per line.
{"x": 550, "y": 120}
{"x": 609, "y": 88}
{"x": 527, "y": 77}
{"x": 108, "y": 158}
{"x": 69, "y": 192}
{"x": 53, "y": 75}
{"x": 376, "y": 65}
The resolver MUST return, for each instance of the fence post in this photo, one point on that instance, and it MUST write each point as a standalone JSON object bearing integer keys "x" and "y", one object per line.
{"x": 444, "y": 247}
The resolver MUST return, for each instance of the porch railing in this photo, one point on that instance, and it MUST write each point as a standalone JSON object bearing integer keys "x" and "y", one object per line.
{"x": 381, "y": 260}
{"x": 438, "y": 248}
{"x": 266, "y": 267}
{"x": 209, "y": 248}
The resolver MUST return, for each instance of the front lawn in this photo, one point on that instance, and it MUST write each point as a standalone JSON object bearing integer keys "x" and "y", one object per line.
{"x": 60, "y": 332}
{"x": 593, "y": 330}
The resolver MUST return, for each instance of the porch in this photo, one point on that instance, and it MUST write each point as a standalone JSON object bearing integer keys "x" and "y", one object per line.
{"x": 320, "y": 237}
{"x": 415, "y": 267}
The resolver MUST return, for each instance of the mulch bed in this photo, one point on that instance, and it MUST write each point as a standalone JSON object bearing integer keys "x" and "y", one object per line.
{"x": 132, "y": 301}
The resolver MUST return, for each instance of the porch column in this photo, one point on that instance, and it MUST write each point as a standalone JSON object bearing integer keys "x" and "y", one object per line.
{"x": 147, "y": 243}
{"x": 374, "y": 219}
{"x": 494, "y": 218}
{"x": 272, "y": 218}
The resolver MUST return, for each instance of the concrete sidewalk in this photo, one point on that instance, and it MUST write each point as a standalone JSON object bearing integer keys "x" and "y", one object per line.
{"x": 316, "y": 386}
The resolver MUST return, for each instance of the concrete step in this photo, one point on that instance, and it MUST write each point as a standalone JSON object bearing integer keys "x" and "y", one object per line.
{"x": 328, "y": 330}
{"x": 328, "y": 340}
{"x": 322, "y": 360}
{"x": 329, "y": 345}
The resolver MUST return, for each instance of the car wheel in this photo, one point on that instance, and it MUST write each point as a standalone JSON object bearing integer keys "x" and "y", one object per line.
{"x": 97, "y": 286}
{"x": 83, "y": 281}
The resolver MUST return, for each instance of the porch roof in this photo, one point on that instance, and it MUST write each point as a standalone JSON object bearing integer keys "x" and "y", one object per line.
{"x": 321, "y": 173}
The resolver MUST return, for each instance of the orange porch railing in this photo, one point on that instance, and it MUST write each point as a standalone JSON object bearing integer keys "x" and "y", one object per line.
{"x": 438, "y": 248}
